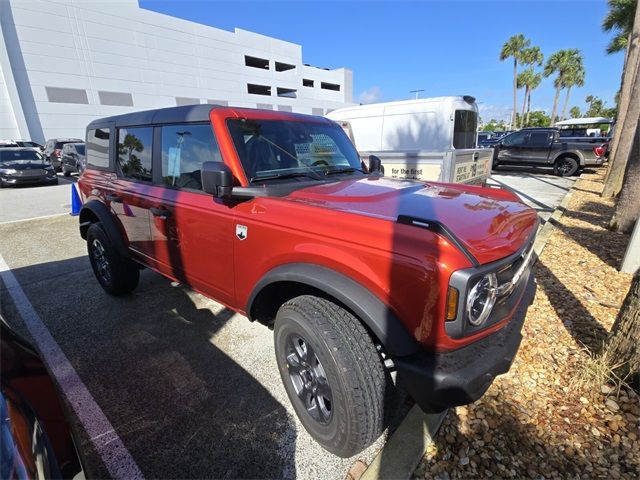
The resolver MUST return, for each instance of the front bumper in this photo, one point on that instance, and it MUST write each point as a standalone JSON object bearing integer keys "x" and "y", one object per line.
{"x": 438, "y": 381}
{"x": 15, "y": 181}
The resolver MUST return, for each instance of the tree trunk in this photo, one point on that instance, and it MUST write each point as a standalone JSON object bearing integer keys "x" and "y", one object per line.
{"x": 526, "y": 122}
{"x": 524, "y": 105}
{"x": 623, "y": 345}
{"x": 628, "y": 204}
{"x": 566, "y": 102}
{"x": 515, "y": 93}
{"x": 555, "y": 106}
{"x": 627, "y": 132}
{"x": 613, "y": 181}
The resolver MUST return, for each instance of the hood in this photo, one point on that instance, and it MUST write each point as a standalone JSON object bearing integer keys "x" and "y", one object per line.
{"x": 490, "y": 223}
{"x": 23, "y": 164}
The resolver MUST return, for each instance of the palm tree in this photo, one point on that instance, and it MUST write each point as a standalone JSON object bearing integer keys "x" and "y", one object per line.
{"x": 574, "y": 76}
{"x": 574, "y": 112}
{"x": 563, "y": 62}
{"x": 529, "y": 56}
{"x": 528, "y": 79}
{"x": 620, "y": 20}
{"x": 513, "y": 49}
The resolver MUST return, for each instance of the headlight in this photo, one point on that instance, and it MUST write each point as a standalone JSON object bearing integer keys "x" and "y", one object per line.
{"x": 8, "y": 171}
{"x": 481, "y": 299}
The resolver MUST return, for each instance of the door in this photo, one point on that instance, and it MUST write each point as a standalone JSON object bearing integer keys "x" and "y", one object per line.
{"x": 130, "y": 197}
{"x": 536, "y": 148}
{"x": 192, "y": 232}
{"x": 511, "y": 147}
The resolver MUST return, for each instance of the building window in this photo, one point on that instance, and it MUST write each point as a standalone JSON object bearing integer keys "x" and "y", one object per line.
{"x": 222, "y": 103}
{"x": 181, "y": 101}
{"x": 330, "y": 86}
{"x": 98, "y": 148}
{"x": 259, "y": 89}
{"x": 116, "y": 98}
{"x": 285, "y": 108}
{"x": 283, "y": 67}
{"x": 287, "y": 92}
{"x": 264, "y": 106}
{"x": 256, "y": 62}
{"x": 134, "y": 152}
{"x": 66, "y": 95}
{"x": 307, "y": 83}
{"x": 317, "y": 111}
{"x": 184, "y": 148}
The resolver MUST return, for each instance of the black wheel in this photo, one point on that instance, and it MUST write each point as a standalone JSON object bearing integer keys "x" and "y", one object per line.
{"x": 332, "y": 373}
{"x": 117, "y": 275}
{"x": 565, "y": 166}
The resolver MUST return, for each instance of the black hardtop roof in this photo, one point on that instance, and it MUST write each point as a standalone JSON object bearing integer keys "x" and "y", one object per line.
{"x": 185, "y": 113}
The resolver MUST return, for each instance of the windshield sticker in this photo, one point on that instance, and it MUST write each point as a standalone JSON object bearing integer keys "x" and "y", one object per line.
{"x": 241, "y": 232}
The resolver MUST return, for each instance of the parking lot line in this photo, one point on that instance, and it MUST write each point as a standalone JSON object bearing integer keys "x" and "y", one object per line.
{"x": 34, "y": 218}
{"x": 104, "y": 438}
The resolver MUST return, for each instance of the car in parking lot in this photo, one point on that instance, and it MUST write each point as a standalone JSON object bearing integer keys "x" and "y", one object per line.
{"x": 25, "y": 166}
{"x": 72, "y": 159}
{"x": 274, "y": 215}
{"x": 30, "y": 144}
{"x": 544, "y": 147}
{"x": 53, "y": 150}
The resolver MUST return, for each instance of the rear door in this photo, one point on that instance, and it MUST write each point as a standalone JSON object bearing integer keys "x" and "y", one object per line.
{"x": 536, "y": 149}
{"x": 192, "y": 232}
{"x": 130, "y": 198}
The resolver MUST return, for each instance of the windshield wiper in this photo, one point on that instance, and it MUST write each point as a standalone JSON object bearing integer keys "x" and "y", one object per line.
{"x": 276, "y": 176}
{"x": 332, "y": 171}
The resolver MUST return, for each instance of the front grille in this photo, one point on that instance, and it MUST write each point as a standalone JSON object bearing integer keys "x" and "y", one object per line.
{"x": 38, "y": 172}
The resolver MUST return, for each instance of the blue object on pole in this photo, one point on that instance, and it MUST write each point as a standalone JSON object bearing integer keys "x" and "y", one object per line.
{"x": 76, "y": 203}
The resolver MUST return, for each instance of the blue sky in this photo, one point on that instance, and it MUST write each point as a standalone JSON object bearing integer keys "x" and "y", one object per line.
{"x": 443, "y": 47}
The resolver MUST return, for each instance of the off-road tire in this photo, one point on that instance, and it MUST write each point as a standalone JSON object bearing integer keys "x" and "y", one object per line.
{"x": 353, "y": 367}
{"x": 565, "y": 166}
{"x": 118, "y": 275}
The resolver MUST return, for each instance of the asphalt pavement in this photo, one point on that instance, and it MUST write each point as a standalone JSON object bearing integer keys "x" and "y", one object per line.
{"x": 190, "y": 388}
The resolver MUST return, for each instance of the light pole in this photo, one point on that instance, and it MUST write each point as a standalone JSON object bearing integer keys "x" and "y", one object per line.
{"x": 417, "y": 92}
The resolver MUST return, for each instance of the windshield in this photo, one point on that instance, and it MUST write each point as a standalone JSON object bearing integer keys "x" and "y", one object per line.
{"x": 277, "y": 148}
{"x": 13, "y": 156}
{"x": 80, "y": 149}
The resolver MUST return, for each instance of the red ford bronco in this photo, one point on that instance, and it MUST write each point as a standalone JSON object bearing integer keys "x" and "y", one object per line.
{"x": 273, "y": 215}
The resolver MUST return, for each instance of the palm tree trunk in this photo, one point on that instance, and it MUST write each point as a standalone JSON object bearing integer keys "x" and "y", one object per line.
{"x": 566, "y": 102}
{"x": 555, "y": 106}
{"x": 524, "y": 104}
{"x": 526, "y": 122}
{"x": 515, "y": 92}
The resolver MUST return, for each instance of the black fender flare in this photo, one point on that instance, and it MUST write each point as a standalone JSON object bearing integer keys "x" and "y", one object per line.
{"x": 377, "y": 316}
{"x": 109, "y": 222}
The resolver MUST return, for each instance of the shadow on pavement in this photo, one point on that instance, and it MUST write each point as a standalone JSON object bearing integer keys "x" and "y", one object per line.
{"x": 153, "y": 362}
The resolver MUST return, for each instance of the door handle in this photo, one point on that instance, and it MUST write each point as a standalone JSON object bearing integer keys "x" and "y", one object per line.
{"x": 113, "y": 198}
{"x": 160, "y": 212}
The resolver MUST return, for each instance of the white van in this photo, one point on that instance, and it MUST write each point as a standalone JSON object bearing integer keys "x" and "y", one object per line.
{"x": 427, "y": 139}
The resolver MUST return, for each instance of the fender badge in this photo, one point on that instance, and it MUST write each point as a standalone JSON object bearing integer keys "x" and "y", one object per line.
{"x": 241, "y": 232}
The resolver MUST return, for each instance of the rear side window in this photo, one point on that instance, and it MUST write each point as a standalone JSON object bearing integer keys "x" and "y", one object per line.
{"x": 134, "y": 152}
{"x": 184, "y": 148}
{"x": 464, "y": 129}
{"x": 98, "y": 148}
{"x": 539, "y": 138}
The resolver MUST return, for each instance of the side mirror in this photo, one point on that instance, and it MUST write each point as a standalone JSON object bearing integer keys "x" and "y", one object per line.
{"x": 217, "y": 179}
{"x": 375, "y": 165}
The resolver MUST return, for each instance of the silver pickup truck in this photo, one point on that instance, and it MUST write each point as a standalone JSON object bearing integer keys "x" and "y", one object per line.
{"x": 545, "y": 147}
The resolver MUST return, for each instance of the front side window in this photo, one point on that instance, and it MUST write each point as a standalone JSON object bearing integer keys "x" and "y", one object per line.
{"x": 464, "y": 129}
{"x": 184, "y": 148}
{"x": 134, "y": 152}
{"x": 515, "y": 139}
{"x": 98, "y": 148}
{"x": 278, "y": 148}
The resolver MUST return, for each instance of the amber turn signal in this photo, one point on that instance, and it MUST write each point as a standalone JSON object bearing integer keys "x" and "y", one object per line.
{"x": 452, "y": 304}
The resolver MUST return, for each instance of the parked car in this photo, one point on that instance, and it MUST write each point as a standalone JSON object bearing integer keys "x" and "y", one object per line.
{"x": 72, "y": 158}
{"x": 424, "y": 139}
{"x": 37, "y": 440}
{"x": 53, "y": 150}
{"x": 29, "y": 144}
{"x": 24, "y": 166}
{"x": 544, "y": 147}
{"x": 8, "y": 144}
{"x": 274, "y": 215}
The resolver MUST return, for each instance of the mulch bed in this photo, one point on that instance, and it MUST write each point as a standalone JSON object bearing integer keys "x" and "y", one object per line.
{"x": 535, "y": 422}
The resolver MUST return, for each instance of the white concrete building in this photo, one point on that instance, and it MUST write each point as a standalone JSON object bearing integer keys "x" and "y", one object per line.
{"x": 64, "y": 63}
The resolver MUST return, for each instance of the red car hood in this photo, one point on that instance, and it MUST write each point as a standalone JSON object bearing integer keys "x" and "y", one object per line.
{"x": 490, "y": 223}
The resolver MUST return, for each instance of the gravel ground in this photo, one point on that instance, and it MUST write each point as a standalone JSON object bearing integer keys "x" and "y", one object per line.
{"x": 535, "y": 422}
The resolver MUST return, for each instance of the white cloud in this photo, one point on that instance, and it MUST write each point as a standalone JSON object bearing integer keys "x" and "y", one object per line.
{"x": 496, "y": 112}
{"x": 371, "y": 95}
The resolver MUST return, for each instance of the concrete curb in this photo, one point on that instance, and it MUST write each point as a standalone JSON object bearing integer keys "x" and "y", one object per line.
{"x": 400, "y": 456}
